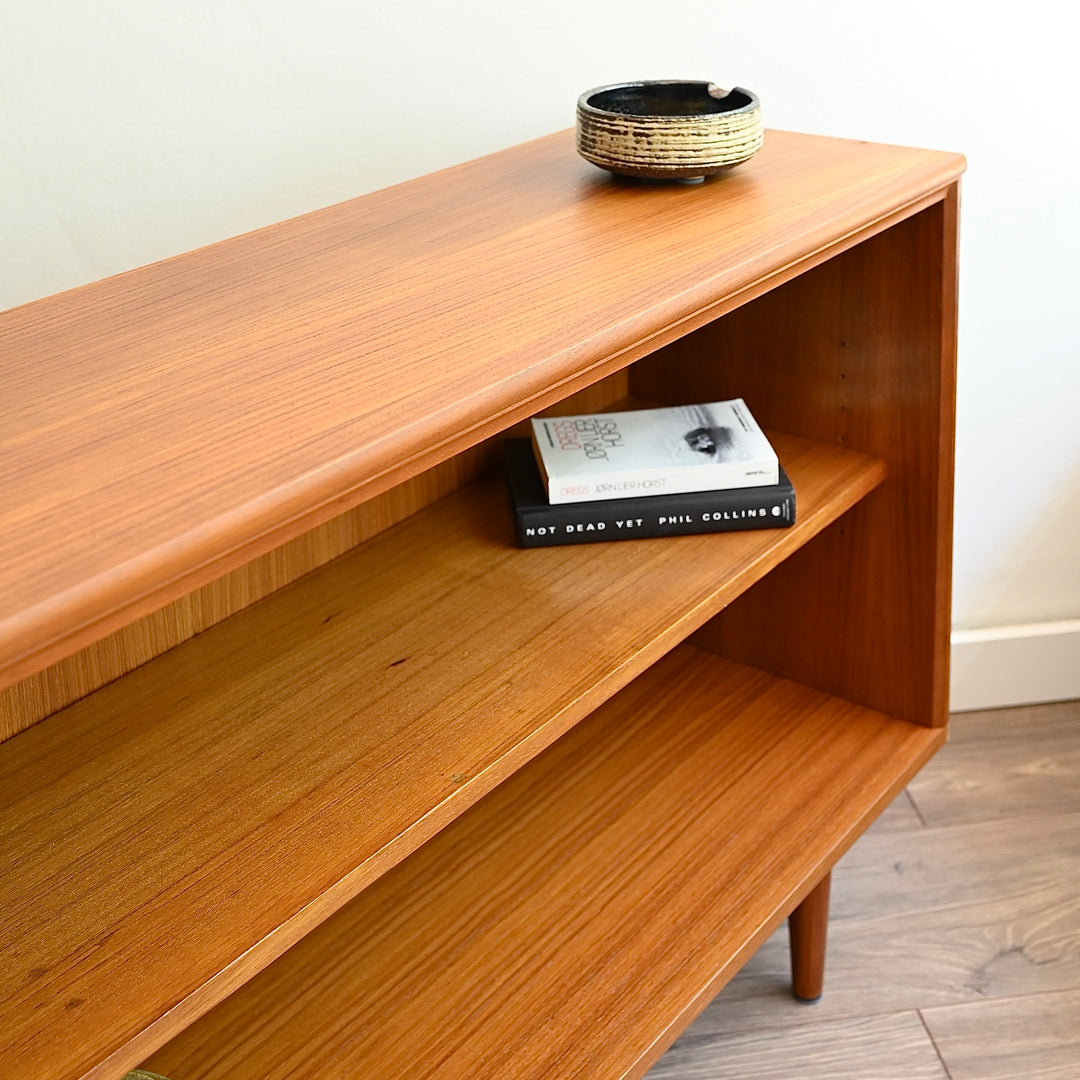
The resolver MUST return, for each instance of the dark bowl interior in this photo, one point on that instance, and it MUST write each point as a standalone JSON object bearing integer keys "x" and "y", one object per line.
{"x": 666, "y": 99}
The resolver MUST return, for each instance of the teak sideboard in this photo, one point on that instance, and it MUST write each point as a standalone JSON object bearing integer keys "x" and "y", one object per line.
{"x": 308, "y": 771}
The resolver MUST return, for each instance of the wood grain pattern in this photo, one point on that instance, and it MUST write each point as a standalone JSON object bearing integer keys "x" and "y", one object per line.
{"x": 332, "y": 729}
{"x": 899, "y": 815}
{"x": 574, "y": 917}
{"x": 982, "y": 914}
{"x": 75, "y": 676}
{"x": 168, "y": 425}
{"x": 808, "y": 929}
{"x": 1035, "y": 1038}
{"x": 866, "y": 1048}
{"x": 72, "y": 678}
{"x": 935, "y": 917}
{"x": 859, "y": 352}
{"x": 1003, "y": 765}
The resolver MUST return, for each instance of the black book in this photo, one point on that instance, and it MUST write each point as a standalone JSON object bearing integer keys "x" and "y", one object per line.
{"x": 539, "y": 524}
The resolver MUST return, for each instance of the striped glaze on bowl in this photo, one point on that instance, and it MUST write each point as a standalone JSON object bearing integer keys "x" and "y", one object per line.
{"x": 668, "y": 129}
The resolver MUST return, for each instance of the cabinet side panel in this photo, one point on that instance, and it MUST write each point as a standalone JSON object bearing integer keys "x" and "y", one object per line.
{"x": 859, "y": 351}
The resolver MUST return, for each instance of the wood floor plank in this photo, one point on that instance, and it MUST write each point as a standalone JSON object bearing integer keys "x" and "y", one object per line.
{"x": 976, "y": 923}
{"x": 909, "y": 873}
{"x": 880, "y": 1048}
{"x": 1021, "y": 1038}
{"x": 930, "y": 918}
{"x": 1002, "y": 763}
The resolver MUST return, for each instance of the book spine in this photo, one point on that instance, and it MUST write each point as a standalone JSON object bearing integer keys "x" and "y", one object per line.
{"x": 655, "y": 483}
{"x": 701, "y": 512}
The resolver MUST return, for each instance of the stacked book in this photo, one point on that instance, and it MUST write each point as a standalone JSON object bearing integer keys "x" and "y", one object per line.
{"x": 650, "y": 472}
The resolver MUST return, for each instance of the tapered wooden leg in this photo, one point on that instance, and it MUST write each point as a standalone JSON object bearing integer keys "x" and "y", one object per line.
{"x": 808, "y": 925}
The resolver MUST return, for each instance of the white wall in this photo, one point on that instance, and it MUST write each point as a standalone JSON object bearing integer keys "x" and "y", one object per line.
{"x": 135, "y": 129}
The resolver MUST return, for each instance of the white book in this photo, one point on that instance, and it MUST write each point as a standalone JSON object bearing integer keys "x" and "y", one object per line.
{"x": 653, "y": 452}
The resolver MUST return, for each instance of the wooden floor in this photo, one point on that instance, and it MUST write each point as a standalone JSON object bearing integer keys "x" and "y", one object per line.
{"x": 954, "y": 942}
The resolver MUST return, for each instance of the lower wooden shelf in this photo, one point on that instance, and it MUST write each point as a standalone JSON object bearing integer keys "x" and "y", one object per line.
{"x": 572, "y": 922}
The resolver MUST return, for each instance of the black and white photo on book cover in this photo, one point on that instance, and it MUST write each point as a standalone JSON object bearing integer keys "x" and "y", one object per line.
{"x": 644, "y": 452}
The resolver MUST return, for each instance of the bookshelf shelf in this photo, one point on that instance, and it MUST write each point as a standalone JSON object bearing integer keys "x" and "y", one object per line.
{"x": 199, "y": 759}
{"x": 567, "y": 923}
{"x": 283, "y": 674}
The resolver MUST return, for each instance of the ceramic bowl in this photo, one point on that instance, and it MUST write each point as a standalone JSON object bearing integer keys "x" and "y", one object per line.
{"x": 668, "y": 129}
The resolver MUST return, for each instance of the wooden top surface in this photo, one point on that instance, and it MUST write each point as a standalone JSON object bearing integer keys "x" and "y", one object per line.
{"x": 163, "y": 426}
{"x": 167, "y": 837}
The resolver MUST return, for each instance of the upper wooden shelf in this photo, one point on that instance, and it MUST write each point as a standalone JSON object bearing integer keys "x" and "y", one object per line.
{"x": 169, "y": 424}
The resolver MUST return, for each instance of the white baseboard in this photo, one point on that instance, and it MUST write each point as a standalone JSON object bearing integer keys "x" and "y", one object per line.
{"x": 1015, "y": 665}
